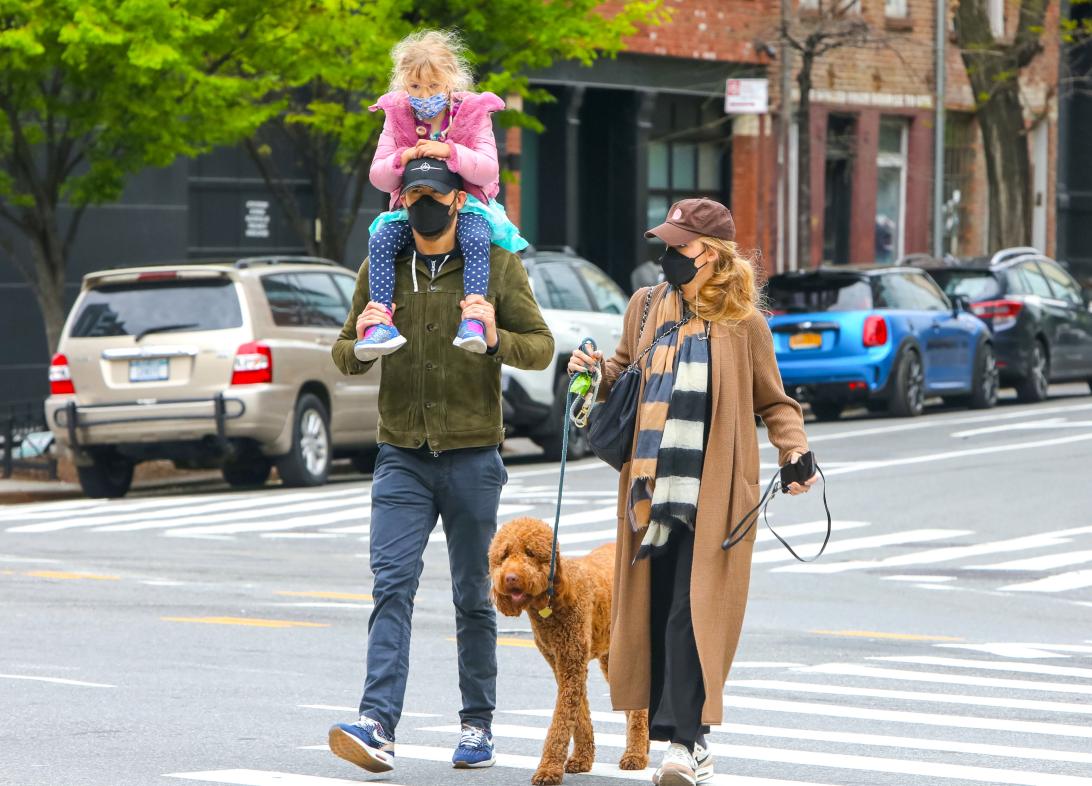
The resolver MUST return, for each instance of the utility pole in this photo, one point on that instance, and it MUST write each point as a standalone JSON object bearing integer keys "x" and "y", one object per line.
{"x": 938, "y": 141}
{"x": 784, "y": 249}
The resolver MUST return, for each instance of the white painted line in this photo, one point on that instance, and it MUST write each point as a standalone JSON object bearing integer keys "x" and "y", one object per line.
{"x": 809, "y": 528}
{"x": 356, "y": 711}
{"x": 780, "y": 554}
{"x": 163, "y": 583}
{"x": 991, "y": 665}
{"x": 816, "y": 759}
{"x": 346, "y": 510}
{"x": 56, "y": 681}
{"x": 299, "y": 535}
{"x": 920, "y": 579}
{"x": 344, "y": 514}
{"x": 763, "y": 664}
{"x": 907, "y": 675}
{"x": 582, "y": 466}
{"x": 1046, "y": 562}
{"x": 1015, "y": 650}
{"x": 906, "y": 695}
{"x": 29, "y": 560}
{"x": 320, "y": 605}
{"x": 1076, "y": 579}
{"x": 263, "y": 778}
{"x": 850, "y": 738}
{"x": 594, "y": 516}
{"x": 604, "y": 535}
{"x": 1030, "y": 425}
{"x": 946, "y": 554}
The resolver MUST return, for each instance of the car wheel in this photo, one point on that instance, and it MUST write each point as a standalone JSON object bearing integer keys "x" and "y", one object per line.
{"x": 110, "y": 475}
{"x": 827, "y": 410}
{"x": 551, "y": 442}
{"x": 908, "y": 393}
{"x": 247, "y": 470}
{"x": 984, "y": 394}
{"x": 1035, "y": 386}
{"x": 308, "y": 463}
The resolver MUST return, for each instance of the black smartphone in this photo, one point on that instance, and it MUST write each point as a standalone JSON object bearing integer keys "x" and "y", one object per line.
{"x": 800, "y": 472}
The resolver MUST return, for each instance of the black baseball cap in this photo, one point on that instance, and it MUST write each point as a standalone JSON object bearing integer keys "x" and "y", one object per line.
{"x": 431, "y": 172}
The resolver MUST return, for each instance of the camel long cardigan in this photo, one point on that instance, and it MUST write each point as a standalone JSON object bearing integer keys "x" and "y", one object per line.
{"x": 745, "y": 383}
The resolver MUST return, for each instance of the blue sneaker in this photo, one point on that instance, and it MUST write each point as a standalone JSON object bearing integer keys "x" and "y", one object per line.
{"x": 378, "y": 340}
{"x": 471, "y": 337}
{"x": 364, "y": 743}
{"x": 475, "y": 749}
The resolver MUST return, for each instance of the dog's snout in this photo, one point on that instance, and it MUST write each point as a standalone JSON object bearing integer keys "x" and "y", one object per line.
{"x": 511, "y": 580}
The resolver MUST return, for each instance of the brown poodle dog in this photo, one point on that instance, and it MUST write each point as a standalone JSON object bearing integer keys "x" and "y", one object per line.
{"x": 576, "y": 631}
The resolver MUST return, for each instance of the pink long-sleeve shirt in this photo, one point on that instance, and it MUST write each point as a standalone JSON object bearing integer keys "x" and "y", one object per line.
{"x": 470, "y": 136}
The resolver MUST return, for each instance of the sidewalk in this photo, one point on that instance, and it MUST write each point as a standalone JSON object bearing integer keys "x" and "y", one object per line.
{"x": 149, "y": 478}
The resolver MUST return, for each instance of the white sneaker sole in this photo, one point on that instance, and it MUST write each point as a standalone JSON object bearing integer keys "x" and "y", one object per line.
{"x": 366, "y": 352}
{"x": 464, "y": 765}
{"x": 348, "y": 747}
{"x": 475, "y": 344}
{"x": 674, "y": 778}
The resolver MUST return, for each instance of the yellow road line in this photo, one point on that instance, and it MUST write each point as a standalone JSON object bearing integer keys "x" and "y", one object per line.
{"x": 318, "y": 594}
{"x": 873, "y": 634}
{"x": 503, "y": 641}
{"x": 63, "y": 574}
{"x": 7, "y": 572}
{"x": 247, "y": 621}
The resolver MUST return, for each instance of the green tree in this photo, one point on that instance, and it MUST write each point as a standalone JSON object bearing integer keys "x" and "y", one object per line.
{"x": 332, "y": 68}
{"x": 94, "y": 90}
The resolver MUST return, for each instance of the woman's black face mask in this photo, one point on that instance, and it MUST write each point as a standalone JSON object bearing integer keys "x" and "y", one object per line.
{"x": 429, "y": 216}
{"x": 678, "y": 268}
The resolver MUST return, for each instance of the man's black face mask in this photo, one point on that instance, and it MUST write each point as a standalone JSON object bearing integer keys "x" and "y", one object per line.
{"x": 429, "y": 217}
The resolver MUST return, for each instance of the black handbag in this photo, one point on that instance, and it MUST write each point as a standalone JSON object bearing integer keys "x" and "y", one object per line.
{"x": 611, "y": 424}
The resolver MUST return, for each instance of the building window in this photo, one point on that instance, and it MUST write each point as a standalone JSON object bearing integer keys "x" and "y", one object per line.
{"x": 891, "y": 189}
{"x": 959, "y": 152}
{"x": 894, "y": 9}
{"x": 838, "y": 187}
{"x": 995, "y": 10}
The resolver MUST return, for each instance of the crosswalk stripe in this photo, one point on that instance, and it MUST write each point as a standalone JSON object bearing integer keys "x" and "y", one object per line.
{"x": 338, "y": 516}
{"x": 856, "y": 738}
{"x": 263, "y": 778}
{"x": 1045, "y": 562}
{"x": 905, "y": 695}
{"x": 809, "y": 528}
{"x": 989, "y": 665}
{"x": 1023, "y": 649}
{"x": 211, "y": 524}
{"x": 853, "y": 670}
{"x": 594, "y": 516}
{"x": 905, "y": 716}
{"x": 945, "y": 554}
{"x": 588, "y": 537}
{"x": 856, "y": 544}
{"x": 1060, "y": 582}
{"x": 818, "y": 759}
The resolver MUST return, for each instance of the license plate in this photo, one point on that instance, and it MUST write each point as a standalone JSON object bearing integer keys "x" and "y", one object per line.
{"x": 149, "y": 370}
{"x": 806, "y": 341}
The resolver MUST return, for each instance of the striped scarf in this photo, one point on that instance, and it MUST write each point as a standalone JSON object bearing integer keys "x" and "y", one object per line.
{"x": 666, "y": 467}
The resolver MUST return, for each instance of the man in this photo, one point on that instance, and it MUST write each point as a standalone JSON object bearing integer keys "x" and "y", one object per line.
{"x": 440, "y": 429}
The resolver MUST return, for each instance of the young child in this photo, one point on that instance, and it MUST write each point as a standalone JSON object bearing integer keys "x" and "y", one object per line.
{"x": 431, "y": 112}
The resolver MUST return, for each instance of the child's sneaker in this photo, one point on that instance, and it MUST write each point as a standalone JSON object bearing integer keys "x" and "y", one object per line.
{"x": 471, "y": 336}
{"x": 475, "y": 749}
{"x": 378, "y": 340}
{"x": 703, "y": 772}
{"x": 364, "y": 743}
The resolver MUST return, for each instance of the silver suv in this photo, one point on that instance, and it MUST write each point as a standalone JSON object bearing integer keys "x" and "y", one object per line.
{"x": 210, "y": 364}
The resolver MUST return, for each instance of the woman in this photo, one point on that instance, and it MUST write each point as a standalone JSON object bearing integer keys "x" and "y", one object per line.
{"x": 679, "y": 597}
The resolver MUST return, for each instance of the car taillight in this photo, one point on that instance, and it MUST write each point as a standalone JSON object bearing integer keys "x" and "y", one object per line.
{"x": 875, "y": 331}
{"x": 253, "y": 364}
{"x": 997, "y": 309}
{"x": 60, "y": 378}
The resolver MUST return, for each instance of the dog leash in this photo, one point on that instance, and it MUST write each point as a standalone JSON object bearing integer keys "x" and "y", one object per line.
{"x": 585, "y": 387}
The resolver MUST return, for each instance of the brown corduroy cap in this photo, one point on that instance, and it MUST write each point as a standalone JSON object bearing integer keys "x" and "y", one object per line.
{"x": 689, "y": 219}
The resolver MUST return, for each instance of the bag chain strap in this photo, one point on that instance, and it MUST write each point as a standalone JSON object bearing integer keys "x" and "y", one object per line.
{"x": 644, "y": 318}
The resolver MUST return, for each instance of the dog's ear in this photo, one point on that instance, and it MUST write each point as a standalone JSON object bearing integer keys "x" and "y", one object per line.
{"x": 505, "y": 605}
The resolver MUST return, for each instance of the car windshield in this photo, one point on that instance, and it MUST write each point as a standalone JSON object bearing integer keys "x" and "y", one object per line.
{"x": 800, "y": 294}
{"x": 974, "y": 285}
{"x": 132, "y": 309}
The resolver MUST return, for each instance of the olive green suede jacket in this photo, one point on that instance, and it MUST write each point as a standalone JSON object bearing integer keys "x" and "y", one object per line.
{"x": 431, "y": 392}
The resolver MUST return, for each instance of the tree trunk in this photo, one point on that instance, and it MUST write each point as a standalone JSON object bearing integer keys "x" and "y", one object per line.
{"x": 803, "y": 164}
{"x": 1008, "y": 169}
{"x": 48, "y": 286}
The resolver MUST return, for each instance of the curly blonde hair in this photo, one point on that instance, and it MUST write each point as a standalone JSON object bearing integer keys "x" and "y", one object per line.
{"x": 733, "y": 292}
{"x": 425, "y": 53}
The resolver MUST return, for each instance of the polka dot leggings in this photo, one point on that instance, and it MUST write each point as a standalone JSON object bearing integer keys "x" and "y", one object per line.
{"x": 473, "y": 232}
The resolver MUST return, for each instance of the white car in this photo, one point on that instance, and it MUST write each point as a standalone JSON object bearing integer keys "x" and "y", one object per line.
{"x": 578, "y": 301}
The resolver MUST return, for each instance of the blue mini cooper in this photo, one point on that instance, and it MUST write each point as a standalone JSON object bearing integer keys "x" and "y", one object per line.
{"x": 886, "y": 337}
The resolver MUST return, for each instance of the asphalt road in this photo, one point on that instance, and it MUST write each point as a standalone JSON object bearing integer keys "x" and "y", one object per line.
{"x": 212, "y": 637}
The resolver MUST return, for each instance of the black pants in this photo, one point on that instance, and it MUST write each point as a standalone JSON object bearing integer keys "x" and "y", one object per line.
{"x": 677, "y": 691}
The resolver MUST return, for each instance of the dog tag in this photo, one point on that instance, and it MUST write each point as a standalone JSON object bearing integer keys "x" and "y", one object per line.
{"x": 545, "y": 612}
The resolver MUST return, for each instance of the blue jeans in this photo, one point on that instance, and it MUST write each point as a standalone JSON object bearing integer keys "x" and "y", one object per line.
{"x": 410, "y": 490}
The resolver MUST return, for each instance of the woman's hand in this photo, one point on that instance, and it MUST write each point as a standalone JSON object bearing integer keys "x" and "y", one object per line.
{"x": 427, "y": 148}
{"x": 796, "y": 488}
{"x": 583, "y": 361}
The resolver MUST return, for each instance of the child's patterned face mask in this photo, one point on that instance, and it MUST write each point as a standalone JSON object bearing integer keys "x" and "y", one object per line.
{"x": 428, "y": 108}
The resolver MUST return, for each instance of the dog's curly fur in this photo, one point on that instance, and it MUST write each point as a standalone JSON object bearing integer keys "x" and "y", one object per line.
{"x": 576, "y": 632}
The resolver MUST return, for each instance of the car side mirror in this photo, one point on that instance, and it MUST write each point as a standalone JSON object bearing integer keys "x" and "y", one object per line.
{"x": 959, "y": 303}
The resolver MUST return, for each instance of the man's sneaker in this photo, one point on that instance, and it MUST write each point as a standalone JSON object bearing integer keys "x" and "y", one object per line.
{"x": 378, "y": 340}
{"x": 471, "y": 336}
{"x": 475, "y": 749}
{"x": 703, "y": 760}
{"x": 364, "y": 743}
{"x": 676, "y": 768}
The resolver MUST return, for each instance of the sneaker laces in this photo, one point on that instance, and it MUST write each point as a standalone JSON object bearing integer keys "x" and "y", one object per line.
{"x": 678, "y": 754}
{"x": 374, "y": 727}
{"x": 473, "y": 737}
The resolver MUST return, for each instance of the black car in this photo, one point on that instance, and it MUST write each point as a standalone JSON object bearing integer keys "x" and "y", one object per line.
{"x": 1038, "y": 314}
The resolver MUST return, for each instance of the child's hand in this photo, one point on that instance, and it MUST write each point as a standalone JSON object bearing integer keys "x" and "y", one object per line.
{"x": 427, "y": 148}
{"x": 374, "y": 314}
{"x": 408, "y": 155}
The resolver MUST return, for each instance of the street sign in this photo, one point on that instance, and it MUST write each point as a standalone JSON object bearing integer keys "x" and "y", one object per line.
{"x": 746, "y": 97}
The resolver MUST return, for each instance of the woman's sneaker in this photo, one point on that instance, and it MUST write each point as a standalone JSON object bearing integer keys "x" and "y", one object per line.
{"x": 475, "y": 749}
{"x": 364, "y": 743}
{"x": 676, "y": 768}
{"x": 471, "y": 336}
{"x": 703, "y": 761}
{"x": 378, "y": 340}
